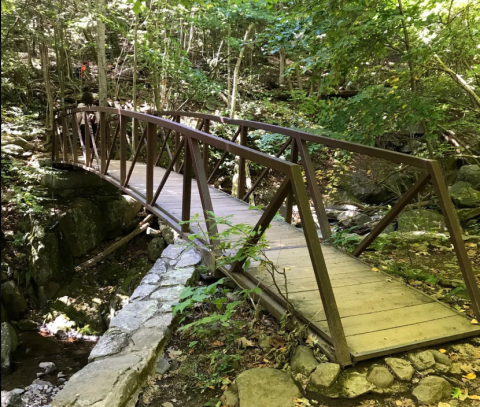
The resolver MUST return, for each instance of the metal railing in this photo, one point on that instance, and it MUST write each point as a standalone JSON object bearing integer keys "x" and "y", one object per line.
{"x": 191, "y": 156}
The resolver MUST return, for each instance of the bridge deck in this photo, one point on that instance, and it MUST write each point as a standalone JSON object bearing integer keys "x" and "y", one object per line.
{"x": 380, "y": 314}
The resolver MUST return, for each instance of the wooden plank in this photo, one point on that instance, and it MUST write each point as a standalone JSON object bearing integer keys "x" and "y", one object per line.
{"x": 421, "y": 334}
{"x": 380, "y": 321}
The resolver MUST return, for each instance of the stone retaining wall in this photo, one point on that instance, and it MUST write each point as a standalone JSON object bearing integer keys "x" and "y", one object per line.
{"x": 128, "y": 352}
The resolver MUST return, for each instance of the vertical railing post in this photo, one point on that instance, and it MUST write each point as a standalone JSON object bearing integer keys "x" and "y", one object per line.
{"x": 242, "y": 165}
{"x": 293, "y": 159}
{"x": 177, "y": 144}
{"x": 87, "y": 141}
{"x": 123, "y": 148}
{"x": 74, "y": 137}
{"x": 206, "y": 148}
{"x": 314, "y": 189}
{"x": 103, "y": 143}
{"x": 324, "y": 284}
{"x": 151, "y": 155}
{"x": 187, "y": 185}
{"x": 451, "y": 220}
{"x": 65, "y": 137}
{"x": 135, "y": 134}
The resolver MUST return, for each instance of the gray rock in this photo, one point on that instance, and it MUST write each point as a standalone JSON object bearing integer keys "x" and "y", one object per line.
{"x": 303, "y": 361}
{"x": 421, "y": 220}
{"x": 380, "y": 376}
{"x": 266, "y": 387}
{"x": 432, "y": 389}
{"x": 12, "y": 399}
{"x": 173, "y": 251}
{"x": 48, "y": 367}
{"x": 441, "y": 357}
{"x": 189, "y": 258}
{"x": 9, "y": 345}
{"x": 323, "y": 376}
{"x": 149, "y": 338}
{"x": 155, "y": 248}
{"x": 143, "y": 291}
{"x": 13, "y": 300}
{"x": 167, "y": 233}
{"x": 159, "y": 267}
{"x": 470, "y": 174}
{"x": 111, "y": 343}
{"x": 422, "y": 360}
{"x": 355, "y": 385}
{"x": 177, "y": 277}
{"x": 464, "y": 196}
{"x": 151, "y": 278}
{"x": 171, "y": 294}
{"x": 401, "y": 368}
{"x": 132, "y": 315}
{"x": 162, "y": 366}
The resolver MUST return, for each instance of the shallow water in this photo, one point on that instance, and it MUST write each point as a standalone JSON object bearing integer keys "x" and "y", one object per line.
{"x": 69, "y": 356}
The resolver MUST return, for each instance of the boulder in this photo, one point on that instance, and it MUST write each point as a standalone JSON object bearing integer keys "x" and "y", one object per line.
{"x": 9, "y": 345}
{"x": 380, "y": 376}
{"x": 303, "y": 361}
{"x": 13, "y": 149}
{"x": 120, "y": 213}
{"x": 468, "y": 214}
{"x": 422, "y": 360}
{"x": 168, "y": 233}
{"x": 441, "y": 358}
{"x": 421, "y": 219}
{"x": 155, "y": 248}
{"x": 470, "y": 174}
{"x": 401, "y": 368}
{"x": 49, "y": 257}
{"x": 18, "y": 141}
{"x": 432, "y": 390}
{"x": 4, "y": 314}
{"x": 464, "y": 196}
{"x": 366, "y": 189}
{"x": 323, "y": 376}
{"x": 13, "y": 300}
{"x": 12, "y": 398}
{"x": 264, "y": 387}
{"x": 355, "y": 385}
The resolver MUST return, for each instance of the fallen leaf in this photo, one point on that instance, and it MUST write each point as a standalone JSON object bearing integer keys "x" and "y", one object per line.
{"x": 375, "y": 270}
{"x": 474, "y": 321}
{"x": 278, "y": 343}
{"x": 442, "y": 351}
{"x": 246, "y": 343}
{"x": 443, "y": 404}
{"x": 174, "y": 354}
{"x": 467, "y": 368}
{"x": 470, "y": 376}
{"x": 474, "y": 397}
{"x": 217, "y": 344}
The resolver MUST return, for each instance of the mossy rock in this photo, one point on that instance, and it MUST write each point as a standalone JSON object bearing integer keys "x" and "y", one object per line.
{"x": 464, "y": 196}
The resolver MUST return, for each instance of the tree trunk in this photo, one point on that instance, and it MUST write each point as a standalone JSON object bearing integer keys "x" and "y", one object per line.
{"x": 236, "y": 72}
{"x": 281, "y": 78}
{"x": 102, "y": 61}
{"x": 48, "y": 86}
{"x": 299, "y": 78}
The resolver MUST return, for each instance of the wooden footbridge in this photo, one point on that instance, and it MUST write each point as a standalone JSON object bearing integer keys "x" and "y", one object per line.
{"x": 357, "y": 313}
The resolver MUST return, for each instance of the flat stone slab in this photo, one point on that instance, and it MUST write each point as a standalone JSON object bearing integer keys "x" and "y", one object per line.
{"x": 177, "y": 276}
{"x": 134, "y": 314}
{"x": 173, "y": 252}
{"x": 168, "y": 293}
{"x": 189, "y": 258}
{"x": 112, "y": 342}
{"x": 143, "y": 291}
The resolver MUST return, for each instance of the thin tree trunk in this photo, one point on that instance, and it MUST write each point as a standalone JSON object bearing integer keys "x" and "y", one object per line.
{"x": 460, "y": 82}
{"x": 236, "y": 72}
{"x": 299, "y": 78}
{"x": 407, "y": 45}
{"x": 102, "y": 60}
{"x": 229, "y": 68}
{"x": 281, "y": 78}
{"x": 48, "y": 86}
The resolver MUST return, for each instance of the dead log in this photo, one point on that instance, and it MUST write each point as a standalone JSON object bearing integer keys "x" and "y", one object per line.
{"x": 142, "y": 226}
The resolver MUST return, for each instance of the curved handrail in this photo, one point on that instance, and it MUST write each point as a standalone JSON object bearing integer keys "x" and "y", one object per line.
{"x": 298, "y": 134}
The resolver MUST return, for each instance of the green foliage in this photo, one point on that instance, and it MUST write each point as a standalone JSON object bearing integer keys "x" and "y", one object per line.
{"x": 345, "y": 239}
